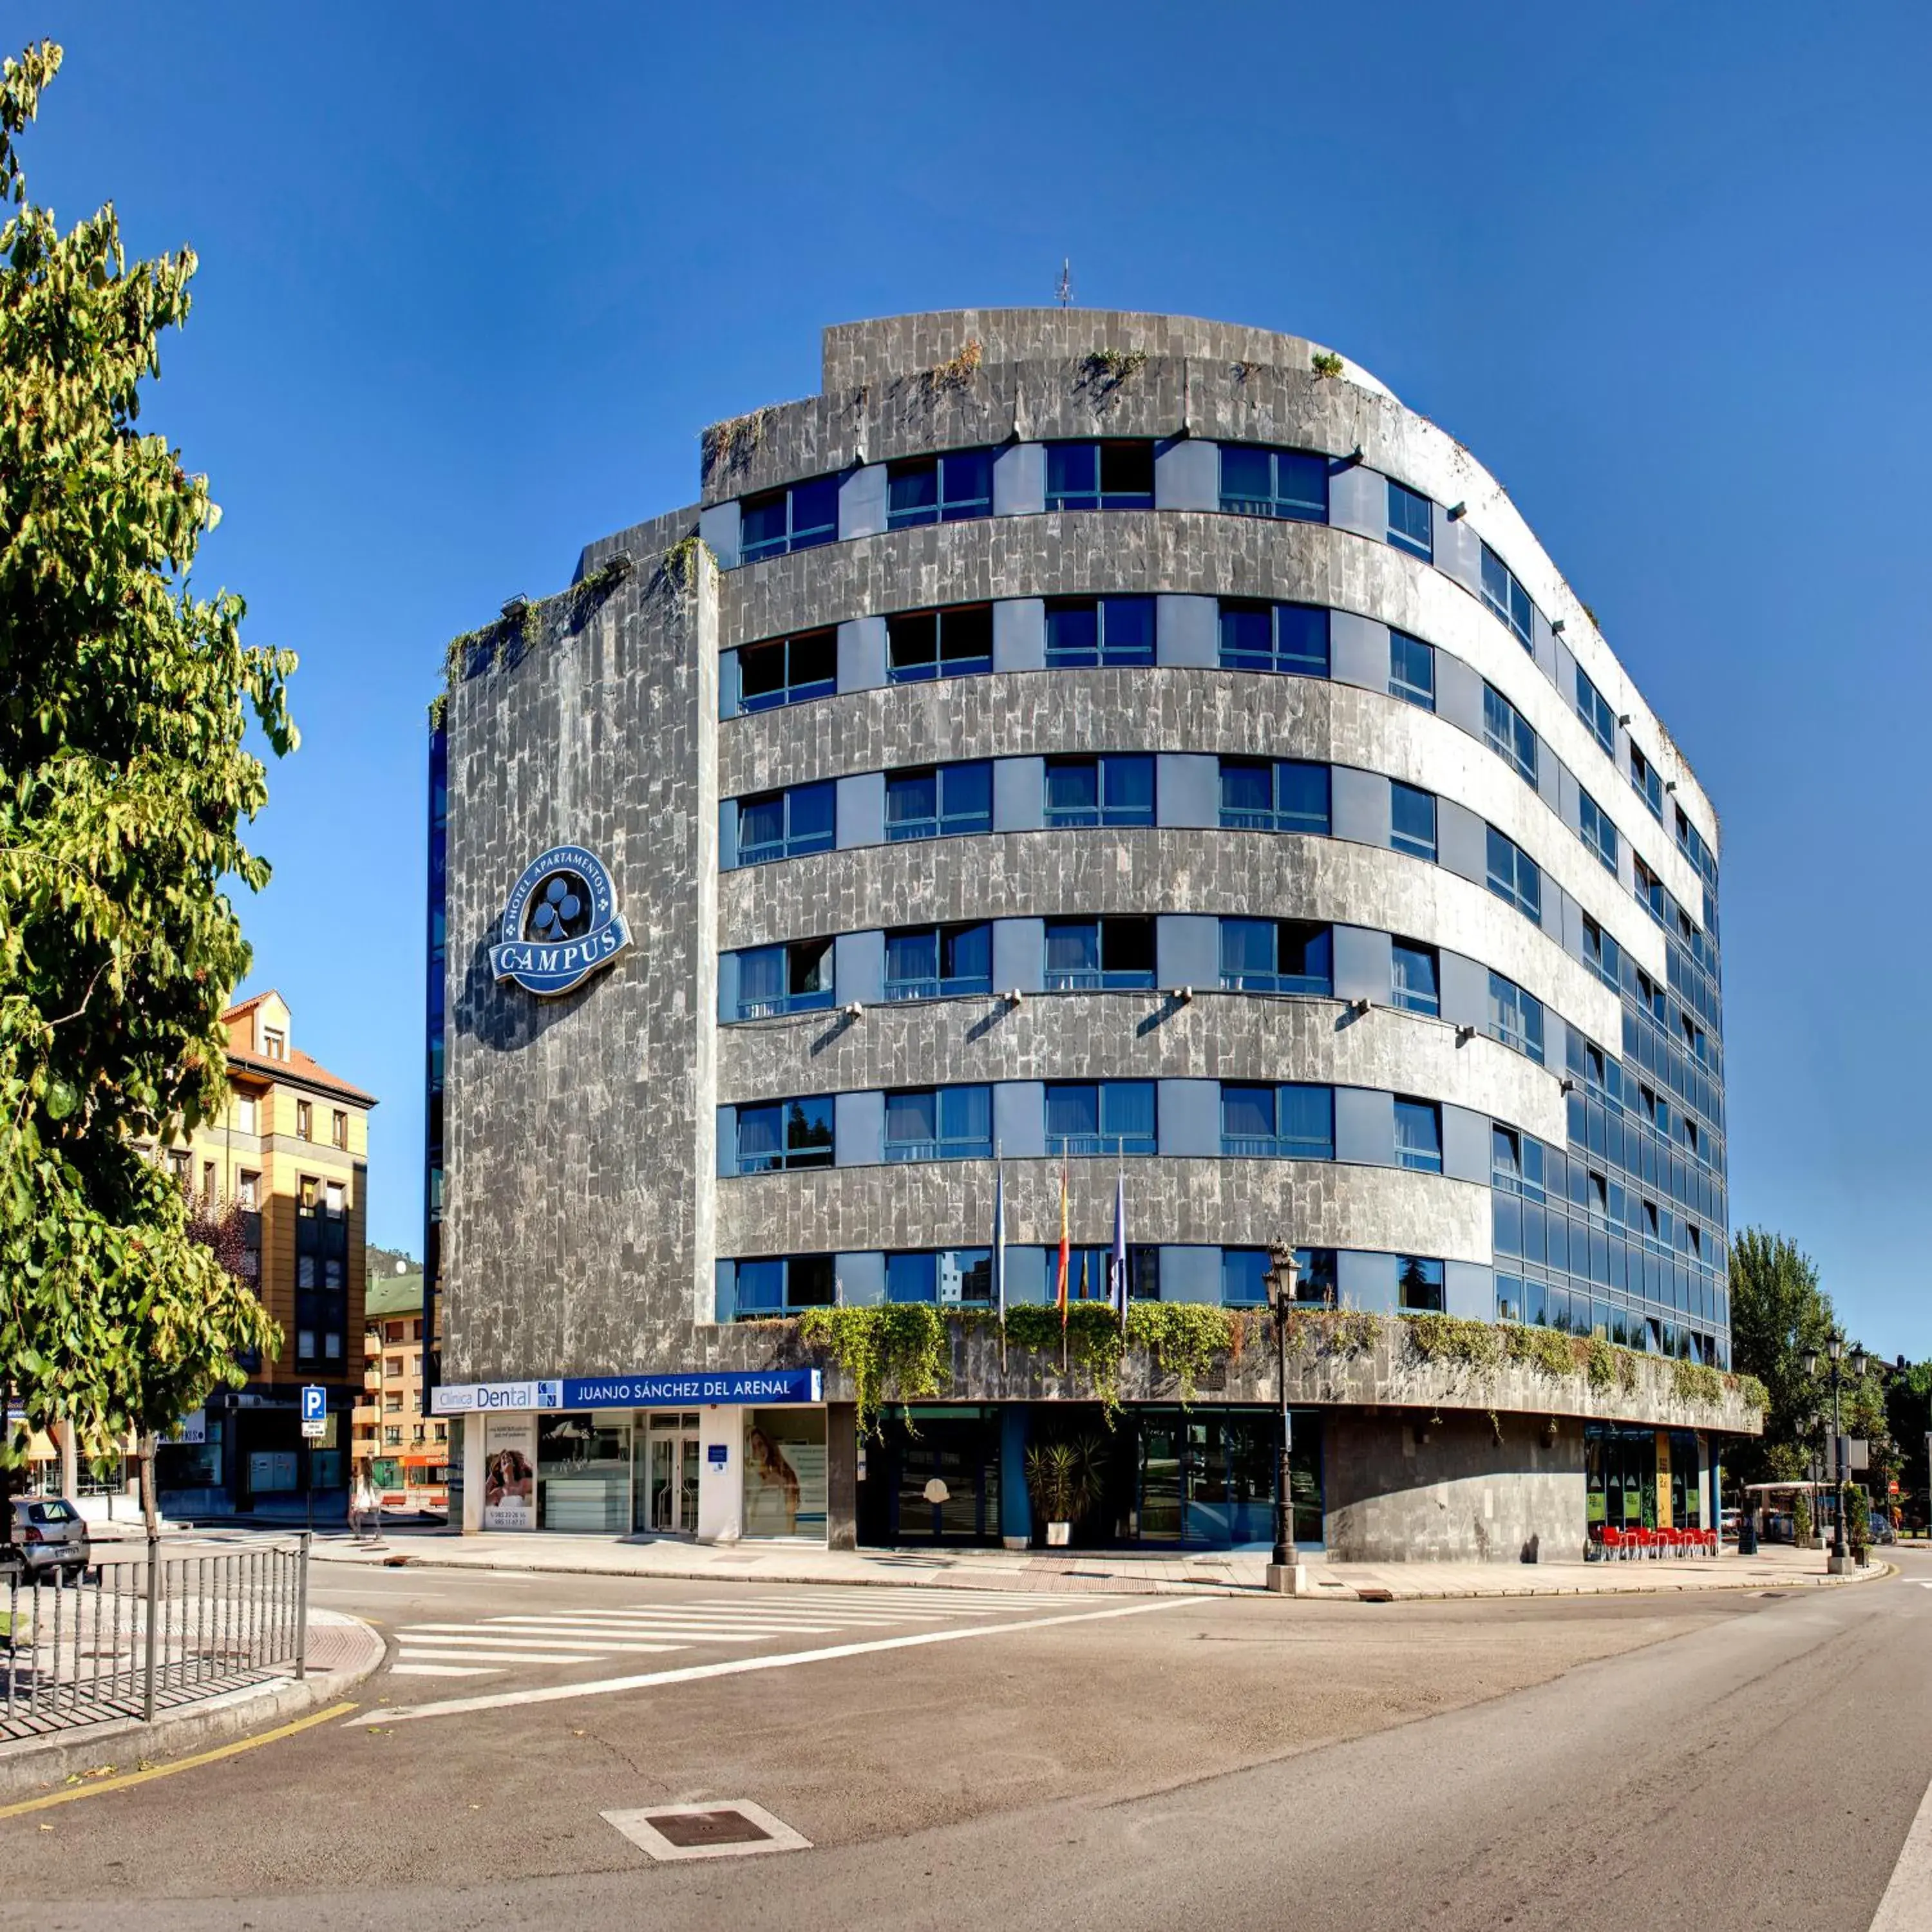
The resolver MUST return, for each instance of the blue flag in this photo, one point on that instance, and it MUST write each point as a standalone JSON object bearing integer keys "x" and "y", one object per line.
{"x": 1117, "y": 1262}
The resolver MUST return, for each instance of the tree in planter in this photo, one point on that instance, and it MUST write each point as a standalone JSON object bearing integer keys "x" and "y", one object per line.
{"x": 125, "y": 779}
{"x": 1857, "y": 1521}
{"x": 1801, "y": 1521}
{"x": 1065, "y": 1479}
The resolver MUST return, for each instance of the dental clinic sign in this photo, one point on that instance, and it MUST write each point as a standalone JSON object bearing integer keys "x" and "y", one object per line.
{"x": 560, "y": 924}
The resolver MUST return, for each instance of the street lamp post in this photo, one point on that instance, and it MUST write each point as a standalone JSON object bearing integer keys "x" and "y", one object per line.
{"x": 1282, "y": 1278}
{"x": 1834, "y": 1351}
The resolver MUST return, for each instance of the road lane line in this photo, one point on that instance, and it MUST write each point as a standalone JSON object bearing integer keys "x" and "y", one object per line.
{"x": 456, "y": 1653}
{"x": 1906, "y": 1905}
{"x": 153, "y": 1771}
{"x": 691, "y": 1673}
{"x": 444, "y": 1670}
{"x": 443, "y": 1635}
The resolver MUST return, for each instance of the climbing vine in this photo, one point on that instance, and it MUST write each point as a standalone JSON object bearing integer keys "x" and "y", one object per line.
{"x": 901, "y": 1348}
{"x": 1696, "y": 1381}
{"x": 729, "y": 444}
{"x": 1184, "y": 1337}
{"x": 1543, "y": 1349}
{"x": 1337, "y": 1331}
{"x": 524, "y": 624}
{"x": 1598, "y": 1361}
{"x": 956, "y": 372}
{"x": 1449, "y": 1338}
{"x": 678, "y": 566}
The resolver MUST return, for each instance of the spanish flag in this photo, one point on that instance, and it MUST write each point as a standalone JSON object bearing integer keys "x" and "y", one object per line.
{"x": 1064, "y": 1251}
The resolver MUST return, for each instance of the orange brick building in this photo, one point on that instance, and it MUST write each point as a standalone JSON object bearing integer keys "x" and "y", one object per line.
{"x": 291, "y": 1152}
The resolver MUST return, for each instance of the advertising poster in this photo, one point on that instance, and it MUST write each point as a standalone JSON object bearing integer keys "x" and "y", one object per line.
{"x": 509, "y": 1472}
{"x": 785, "y": 1472}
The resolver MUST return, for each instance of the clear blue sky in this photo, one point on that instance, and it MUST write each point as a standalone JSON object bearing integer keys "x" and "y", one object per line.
{"x": 473, "y": 276}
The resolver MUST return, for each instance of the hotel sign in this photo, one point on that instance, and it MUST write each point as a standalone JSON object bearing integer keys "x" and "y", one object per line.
{"x": 560, "y": 924}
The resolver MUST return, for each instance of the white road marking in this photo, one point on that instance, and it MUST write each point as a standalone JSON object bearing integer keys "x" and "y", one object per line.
{"x": 1906, "y": 1905}
{"x": 498, "y": 1638}
{"x": 443, "y": 1670}
{"x": 460, "y": 1654}
{"x": 691, "y": 1673}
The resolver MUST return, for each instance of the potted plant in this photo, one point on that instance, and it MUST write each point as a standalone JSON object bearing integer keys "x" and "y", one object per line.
{"x": 1801, "y": 1523}
{"x": 1064, "y": 1481}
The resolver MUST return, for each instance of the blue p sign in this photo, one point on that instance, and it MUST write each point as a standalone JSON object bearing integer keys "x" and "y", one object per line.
{"x": 314, "y": 1404}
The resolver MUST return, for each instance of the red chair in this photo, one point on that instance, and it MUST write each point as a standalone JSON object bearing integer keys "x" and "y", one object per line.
{"x": 1613, "y": 1543}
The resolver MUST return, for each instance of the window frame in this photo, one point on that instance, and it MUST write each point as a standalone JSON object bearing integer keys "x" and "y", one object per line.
{"x": 1277, "y": 660}
{"x": 1505, "y": 731}
{"x": 792, "y": 999}
{"x": 797, "y": 536}
{"x": 1404, "y": 997}
{"x": 789, "y": 845}
{"x": 1281, "y": 503}
{"x": 1276, "y": 1145}
{"x": 1239, "y": 979}
{"x": 1277, "y": 816}
{"x": 1101, "y": 976}
{"x": 946, "y": 507}
{"x": 1400, "y": 495}
{"x": 1413, "y": 843}
{"x": 971, "y": 622}
{"x": 1108, "y": 611}
{"x": 792, "y": 689}
{"x": 1105, "y": 494}
{"x": 1521, "y": 866}
{"x": 939, "y": 985}
{"x": 1504, "y": 597}
{"x": 1418, "y": 1135}
{"x": 1101, "y": 815}
{"x": 1106, "y": 1138}
{"x": 1406, "y": 654}
{"x": 796, "y": 1118}
{"x": 945, "y": 821}
{"x": 941, "y": 1145}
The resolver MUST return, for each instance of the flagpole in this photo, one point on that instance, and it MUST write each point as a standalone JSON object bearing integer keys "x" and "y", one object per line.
{"x": 999, "y": 1243}
{"x": 1063, "y": 1283}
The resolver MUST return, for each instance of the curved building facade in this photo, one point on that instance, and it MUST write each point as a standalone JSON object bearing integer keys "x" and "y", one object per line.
{"x": 1109, "y": 773}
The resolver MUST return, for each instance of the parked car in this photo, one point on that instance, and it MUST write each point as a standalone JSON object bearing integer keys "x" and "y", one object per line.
{"x": 50, "y": 1533}
{"x": 1880, "y": 1529}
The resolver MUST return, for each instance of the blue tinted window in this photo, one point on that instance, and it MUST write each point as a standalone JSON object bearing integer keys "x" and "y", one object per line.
{"x": 788, "y": 670}
{"x": 1516, "y": 1017}
{"x": 1273, "y": 795}
{"x": 1599, "y": 834}
{"x": 1287, "y": 483}
{"x": 1287, "y": 638}
{"x": 1508, "y": 732}
{"x": 1594, "y": 710}
{"x": 1506, "y": 596}
{"x": 779, "y": 520}
{"x": 1411, "y": 521}
{"x": 1116, "y": 789}
{"x": 1244, "y": 1272}
{"x": 761, "y": 1287}
{"x": 1100, "y": 476}
{"x": 1412, "y": 669}
{"x": 939, "y": 489}
{"x": 950, "y": 643}
{"x": 1412, "y": 821}
{"x": 1266, "y": 955}
{"x": 1414, "y": 981}
{"x": 1418, "y": 1136}
{"x": 940, "y": 801}
{"x": 774, "y": 980}
{"x": 934, "y": 962}
{"x": 1649, "y": 787}
{"x": 1289, "y": 1123}
{"x": 784, "y": 1134}
{"x": 1100, "y": 631}
{"x": 1419, "y": 1285}
{"x": 1513, "y": 875}
{"x": 783, "y": 824}
{"x": 940, "y": 1123}
{"x": 1114, "y": 954}
{"x": 912, "y": 1277}
{"x": 1095, "y": 1117}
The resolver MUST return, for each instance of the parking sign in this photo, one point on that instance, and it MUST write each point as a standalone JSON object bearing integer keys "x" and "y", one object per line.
{"x": 314, "y": 1411}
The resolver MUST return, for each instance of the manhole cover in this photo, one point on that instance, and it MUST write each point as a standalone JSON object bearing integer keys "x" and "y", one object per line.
{"x": 734, "y": 1829}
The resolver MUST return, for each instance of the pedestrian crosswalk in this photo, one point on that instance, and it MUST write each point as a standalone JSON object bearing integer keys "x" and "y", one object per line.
{"x": 485, "y": 1647}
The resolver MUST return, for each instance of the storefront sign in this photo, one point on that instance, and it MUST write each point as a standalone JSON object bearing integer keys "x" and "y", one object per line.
{"x": 193, "y": 1427}
{"x": 477, "y": 1398}
{"x": 648, "y": 1391}
{"x": 560, "y": 924}
{"x": 719, "y": 1453}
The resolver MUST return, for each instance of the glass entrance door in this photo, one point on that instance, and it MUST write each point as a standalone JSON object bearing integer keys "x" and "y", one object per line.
{"x": 664, "y": 1476}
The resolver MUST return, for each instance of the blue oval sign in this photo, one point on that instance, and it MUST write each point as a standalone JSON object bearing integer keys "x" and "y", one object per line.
{"x": 561, "y": 923}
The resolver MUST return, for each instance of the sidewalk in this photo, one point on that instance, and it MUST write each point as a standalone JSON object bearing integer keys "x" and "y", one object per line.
{"x": 342, "y": 1650}
{"x": 1113, "y": 1573}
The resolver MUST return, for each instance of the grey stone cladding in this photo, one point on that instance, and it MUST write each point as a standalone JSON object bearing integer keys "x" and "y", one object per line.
{"x": 584, "y": 1217}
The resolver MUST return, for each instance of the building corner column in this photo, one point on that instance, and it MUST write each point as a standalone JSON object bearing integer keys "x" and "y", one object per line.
{"x": 841, "y": 1475}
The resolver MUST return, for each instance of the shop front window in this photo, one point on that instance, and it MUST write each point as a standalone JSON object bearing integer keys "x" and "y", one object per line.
{"x": 785, "y": 1473}
{"x": 583, "y": 1473}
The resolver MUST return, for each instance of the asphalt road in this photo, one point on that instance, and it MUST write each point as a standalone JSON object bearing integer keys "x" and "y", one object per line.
{"x": 1714, "y": 1762}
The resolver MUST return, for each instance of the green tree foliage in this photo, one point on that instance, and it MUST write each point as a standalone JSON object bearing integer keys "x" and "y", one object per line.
{"x": 125, "y": 699}
{"x": 1778, "y": 1312}
{"x": 1908, "y": 1401}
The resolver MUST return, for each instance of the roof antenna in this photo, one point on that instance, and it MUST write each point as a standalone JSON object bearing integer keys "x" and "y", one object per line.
{"x": 1065, "y": 290}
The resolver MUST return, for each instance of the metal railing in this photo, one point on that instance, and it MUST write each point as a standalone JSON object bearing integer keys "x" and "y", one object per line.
{"x": 168, "y": 1624}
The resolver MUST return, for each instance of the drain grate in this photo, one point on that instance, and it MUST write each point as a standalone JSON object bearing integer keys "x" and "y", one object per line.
{"x": 734, "y": 1829}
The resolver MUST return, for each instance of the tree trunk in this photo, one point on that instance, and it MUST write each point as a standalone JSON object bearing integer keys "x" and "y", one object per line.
{"x": 150, "y": 1516}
